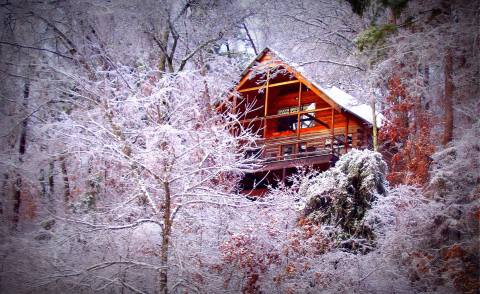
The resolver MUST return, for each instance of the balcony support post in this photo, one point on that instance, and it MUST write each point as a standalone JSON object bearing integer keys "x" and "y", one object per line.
{"x": 299, "y": 105}
{"x": 346, "y": 134}
{"x": 332, "y": 130}
{"x": 266, "y": 106}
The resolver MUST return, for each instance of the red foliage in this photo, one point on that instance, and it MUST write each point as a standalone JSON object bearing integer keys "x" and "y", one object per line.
{"x": 28, "y": 196}
{"x": 253, "y": 256}
{"x": 249, "y": 255}
{"x": 452, "y": 263}
{"x": 407, "y": 136}
{"x": 307, "y": 241}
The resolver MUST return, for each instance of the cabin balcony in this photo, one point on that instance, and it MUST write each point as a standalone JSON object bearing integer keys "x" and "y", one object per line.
{"x": 308, "y": 150}
{"x": 279, "y": 157}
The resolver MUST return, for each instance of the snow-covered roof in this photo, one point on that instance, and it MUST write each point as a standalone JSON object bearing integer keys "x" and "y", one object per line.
{"x": 351, "y": 104}
{"x": 338, "y": 96}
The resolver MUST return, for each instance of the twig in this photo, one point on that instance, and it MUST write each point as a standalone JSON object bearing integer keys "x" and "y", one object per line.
{"x": 35, "y": 48}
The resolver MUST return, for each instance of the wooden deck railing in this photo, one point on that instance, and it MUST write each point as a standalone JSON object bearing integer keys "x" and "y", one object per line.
{"x": 307, "y": 146}
{"x": 294, "y": 156}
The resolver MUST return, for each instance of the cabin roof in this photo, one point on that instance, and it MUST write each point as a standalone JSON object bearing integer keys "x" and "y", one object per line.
{"x": 337, "y": 95}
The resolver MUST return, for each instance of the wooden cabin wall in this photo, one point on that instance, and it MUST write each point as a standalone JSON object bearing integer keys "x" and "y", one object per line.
{"x": 291, "y": 99}
{"x": 283, "y": 150}
{"x": 282, "y": 97}
{"x": 287, "y": 95}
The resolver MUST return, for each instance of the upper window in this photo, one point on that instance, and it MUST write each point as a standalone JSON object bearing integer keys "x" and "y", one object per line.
{"x": 289, "y": 123}
{"x": 294, "y": 109}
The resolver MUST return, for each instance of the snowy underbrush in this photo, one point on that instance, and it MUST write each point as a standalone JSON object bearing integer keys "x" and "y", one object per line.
{"x": 341, "y": 231}
{"x": 346, "y": 230}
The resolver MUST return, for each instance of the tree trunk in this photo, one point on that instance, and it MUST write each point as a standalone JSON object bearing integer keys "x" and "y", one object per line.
{"x": 49, "y": 187}
{"x": 92, "y": 187}
{"x": 448, "y": 98}
{"x": 374, "y": 126}
{"x": 165, "y": 240}
{"x": 206, "y": 94}
{"x": 17, "y": 200}
{"x": 164, "y": 35}
{"x": 51, "y": 183}
{"x": 22, "y": 147}
{"x": 66, "y": 182}
{"x": 42, "y": 182}
{"x": 228, "y": 49}
{"x": 4, "y": 191}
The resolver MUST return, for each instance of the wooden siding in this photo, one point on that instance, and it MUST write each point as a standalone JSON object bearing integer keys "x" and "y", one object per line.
{"x": 267, "y": 94}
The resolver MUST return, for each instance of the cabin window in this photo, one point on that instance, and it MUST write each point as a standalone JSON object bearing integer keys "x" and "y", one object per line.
{"x": 289, "y": 123}
{"x": 294, "y": 109}
{"x": 307, "y": 120}
{"x": 287, "y": 110}
{"x": 302, "y": 147}
{"x": 287, "y": 149}
{"x": 309, "y": 106}
{"x": 255, "y": 153}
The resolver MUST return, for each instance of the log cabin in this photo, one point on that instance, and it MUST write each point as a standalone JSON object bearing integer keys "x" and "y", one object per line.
{"x": 300, "y": 123}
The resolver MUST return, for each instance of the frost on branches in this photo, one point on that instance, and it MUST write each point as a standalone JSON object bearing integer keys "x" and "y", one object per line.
{"x": 340, "y": 196}
{"x": 151, "y": 164}
{"x": 430, "y": 235}
{"x": 450, "y": 246}
{"x": 425, "y": 239}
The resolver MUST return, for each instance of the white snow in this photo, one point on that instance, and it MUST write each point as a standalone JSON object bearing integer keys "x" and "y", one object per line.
{"x": 351, "y": 104}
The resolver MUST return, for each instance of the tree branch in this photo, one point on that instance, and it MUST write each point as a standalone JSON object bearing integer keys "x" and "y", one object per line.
{"x": 201, "y": 46}
{"x": 250, "y": 38}
{"x": 332, "y": 62}
{"x": 121, "y": 227}
{"x": 35, "y": 48}
{"x": 159, "y": 44}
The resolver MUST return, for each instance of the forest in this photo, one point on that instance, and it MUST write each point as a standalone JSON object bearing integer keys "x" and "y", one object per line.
{"x": 121, "y": 157}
